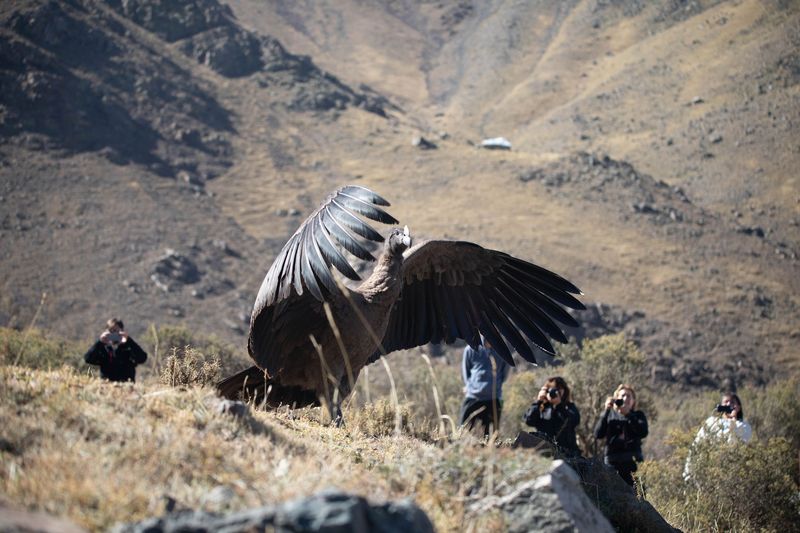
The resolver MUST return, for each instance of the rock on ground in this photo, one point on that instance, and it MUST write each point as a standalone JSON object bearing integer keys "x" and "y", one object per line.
{"x": 552, "y": 503}
{"x": 328, "y": 511}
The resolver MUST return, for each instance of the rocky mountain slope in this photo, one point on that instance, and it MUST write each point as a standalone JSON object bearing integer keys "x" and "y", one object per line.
{"x": 154, "y": 156}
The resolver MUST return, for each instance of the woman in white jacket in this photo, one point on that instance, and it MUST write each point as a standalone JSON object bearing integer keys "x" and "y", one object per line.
{"x": 727, "y": 424}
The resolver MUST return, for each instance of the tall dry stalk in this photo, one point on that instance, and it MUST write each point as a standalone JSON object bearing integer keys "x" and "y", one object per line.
{"x": 29, "y": 328}
{"x": 435, "y": 387}
{"x": 156, "y": 355}
{"x": 395, "y": 401}
{"x": 327, "y": 375}
{"x": 379, "y": 343}
{"x": 338, "y": 336}
{"x": 366, "y": 384}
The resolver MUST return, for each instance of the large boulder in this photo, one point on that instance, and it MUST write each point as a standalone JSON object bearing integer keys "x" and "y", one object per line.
{"x": 552, "y": 503}
{"x": 228, "y": 50}
{"x": 616, "y": 499}
{"x": 328, "y": 511}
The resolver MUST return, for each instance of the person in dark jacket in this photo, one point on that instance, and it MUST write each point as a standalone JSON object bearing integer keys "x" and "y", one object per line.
{"x": 623, "y": 427}
{"x": 555, "y": 417}
{"x": 116, "y": 353}
{"x": 484, "y": 372}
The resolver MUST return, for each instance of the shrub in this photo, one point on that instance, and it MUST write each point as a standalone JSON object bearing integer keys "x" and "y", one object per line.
{"x": 592, "y": 372}
{"x": 190, "y": 367}
{"x": 164, "y": 342}
{"x": 419, "y": 384}
{"x": 518, "y": 393}
{"x": 774, "y": 411}
{"x": 34, "y": 349}
{"x": 378, "y": 419}
{"x": 733, "y": 487}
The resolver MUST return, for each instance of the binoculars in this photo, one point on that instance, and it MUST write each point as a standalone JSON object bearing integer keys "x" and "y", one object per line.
{"x": 723, "y": 409}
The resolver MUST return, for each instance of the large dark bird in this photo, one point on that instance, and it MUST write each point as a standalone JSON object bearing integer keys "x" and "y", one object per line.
{"x": 311, "y": 335}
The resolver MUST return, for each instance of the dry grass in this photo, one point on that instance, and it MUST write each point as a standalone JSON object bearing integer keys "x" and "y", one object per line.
{"x": 191, "y": 367}
{"x": 99, "y": 453}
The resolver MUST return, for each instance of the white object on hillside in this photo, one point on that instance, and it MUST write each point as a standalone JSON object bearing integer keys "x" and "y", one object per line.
{"x": 496, "y": 143}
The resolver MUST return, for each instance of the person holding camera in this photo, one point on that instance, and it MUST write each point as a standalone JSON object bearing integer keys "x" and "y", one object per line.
{"x": 116, "y": 353}
{"x": 727, "y": 425}
{"x": 555, "y": 417}
{"x": 727, "y": 422}
{"x": 623, "y": 428}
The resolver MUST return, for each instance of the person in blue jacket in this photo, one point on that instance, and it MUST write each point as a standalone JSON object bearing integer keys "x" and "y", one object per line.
{"x": 116, "y": 353}
{"x": 484, "y": 372}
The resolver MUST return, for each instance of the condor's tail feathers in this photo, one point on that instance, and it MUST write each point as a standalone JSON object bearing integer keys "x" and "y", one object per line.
{"x": 253, "y": 385}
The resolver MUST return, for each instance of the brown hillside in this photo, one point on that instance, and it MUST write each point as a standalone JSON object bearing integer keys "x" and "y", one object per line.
{"x": 655, "y": 148}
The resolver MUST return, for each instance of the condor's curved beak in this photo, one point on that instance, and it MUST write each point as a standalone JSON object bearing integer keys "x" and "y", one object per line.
{"x": 406, "y": 236}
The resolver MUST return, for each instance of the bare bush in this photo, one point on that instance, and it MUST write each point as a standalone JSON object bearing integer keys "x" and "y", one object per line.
{"x": 190, "y": 367}
{"x": 378, "y": 419}
{"x": 163, "y": 341}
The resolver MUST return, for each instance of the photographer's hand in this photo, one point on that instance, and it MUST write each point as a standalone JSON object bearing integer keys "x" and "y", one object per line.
{"x": 609, "y": 402}
{"x": 542, "y": 395}
{"x": 105, "y": 337}
{"x": 124, "y": 337}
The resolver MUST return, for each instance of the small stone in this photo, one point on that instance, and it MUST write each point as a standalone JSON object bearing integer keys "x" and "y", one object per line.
{"x": 231, "y": 407}
{"x": 219, "y": 497}
{"x": 422, "y": 143}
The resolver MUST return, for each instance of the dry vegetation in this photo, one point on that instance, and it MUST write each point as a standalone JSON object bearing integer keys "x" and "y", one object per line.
{"x": 702, "y": 96}
{"x": 99, "y": 453}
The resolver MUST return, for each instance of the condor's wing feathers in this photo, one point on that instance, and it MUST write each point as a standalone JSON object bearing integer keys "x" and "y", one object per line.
{"x": 303, "y": 266}
{"x": 304, "y": 261}
{"x": 456, "y": 289}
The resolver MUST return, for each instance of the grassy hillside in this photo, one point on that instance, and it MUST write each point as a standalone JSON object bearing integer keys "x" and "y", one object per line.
{"x": 154, "y": 161}
{"x": 164, "y": 193}
{"x": 98, "y": 453}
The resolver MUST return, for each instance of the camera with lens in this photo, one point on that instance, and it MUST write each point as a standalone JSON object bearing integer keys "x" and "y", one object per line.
{"x": 727, "y": 409}
{"x": 552, "y": 392}
{"x": 619, "y": 402}
{"x": 114, "y": 338}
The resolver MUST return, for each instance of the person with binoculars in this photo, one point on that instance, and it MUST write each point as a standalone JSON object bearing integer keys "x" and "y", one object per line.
{"x": 555, "y": 417}
{"x": 116, "y": 353}
{"x": 623, "y": 428}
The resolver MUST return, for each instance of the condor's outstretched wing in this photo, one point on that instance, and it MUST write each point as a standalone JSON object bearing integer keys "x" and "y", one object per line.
{"x": 305, "y": 260}
{"x": 458, "y": 290}
{"x": 302, "y": 270}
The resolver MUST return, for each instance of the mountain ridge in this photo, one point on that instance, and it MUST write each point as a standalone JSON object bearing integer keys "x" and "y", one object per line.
{"x": 636, "y": 180}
